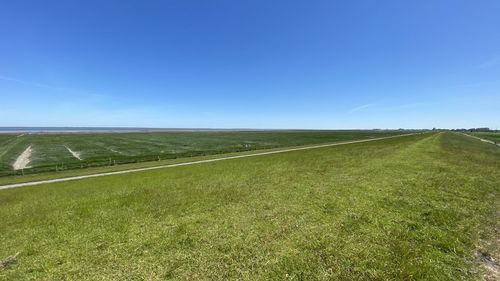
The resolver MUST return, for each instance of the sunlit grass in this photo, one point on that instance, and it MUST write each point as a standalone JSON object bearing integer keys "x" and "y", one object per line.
{"x": 50, "y": 151}
{"x": 405, "y": 208}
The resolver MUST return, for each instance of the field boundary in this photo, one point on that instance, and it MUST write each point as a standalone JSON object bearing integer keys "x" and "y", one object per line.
{"x": 72, "y": 178}
{"x": 483, "y": 140}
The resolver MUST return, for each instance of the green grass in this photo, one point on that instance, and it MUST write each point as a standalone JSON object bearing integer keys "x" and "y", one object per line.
{"x": 407, "y": 208}
{"x": 11, "y": 179}
{"x": 103, "y": 149}
{"x": 489, "y": 136}
{"x": 7, "y": 143}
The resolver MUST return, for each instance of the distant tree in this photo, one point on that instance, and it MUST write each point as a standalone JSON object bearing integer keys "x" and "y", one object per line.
{"x": 479, "y": 130}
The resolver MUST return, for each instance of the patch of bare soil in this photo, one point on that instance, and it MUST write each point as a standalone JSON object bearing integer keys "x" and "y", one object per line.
{"x": 490, "y": 266}
{"x": 23, "y": 160}
{"x": 8, "y": 261}
{"x": 74, "y": 153}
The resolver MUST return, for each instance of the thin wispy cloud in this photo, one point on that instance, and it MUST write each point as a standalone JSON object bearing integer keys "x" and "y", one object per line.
{"x": 51, "y": 87}
{"x": 409, "y": 106}
{"x": 397, "y": 107}
{"x": 361, "y": 107}
{"x": 490, "y": 63}
{"x": 479, "y": 84}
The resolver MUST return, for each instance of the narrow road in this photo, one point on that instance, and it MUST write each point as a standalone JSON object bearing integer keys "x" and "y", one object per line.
{"x": 483, "y": 140}
{"x": 191, "y": 163}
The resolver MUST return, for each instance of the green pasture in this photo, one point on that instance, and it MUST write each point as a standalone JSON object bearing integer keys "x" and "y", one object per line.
{"x": 409, "y": 208}
{"x": 50, "y": 151}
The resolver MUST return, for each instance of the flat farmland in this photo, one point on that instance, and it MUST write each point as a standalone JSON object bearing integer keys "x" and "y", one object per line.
{"x": 35, "y": 153}
{"x": 419, "y": 207}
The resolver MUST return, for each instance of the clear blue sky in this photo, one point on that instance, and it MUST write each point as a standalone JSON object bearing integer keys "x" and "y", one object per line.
{"x": 250, "y": 64}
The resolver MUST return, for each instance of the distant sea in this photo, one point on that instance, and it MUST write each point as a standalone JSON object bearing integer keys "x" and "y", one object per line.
{"x": 48, "y": 130}
{"x": 41, "y": 130}
{"x": 36, "y": 130}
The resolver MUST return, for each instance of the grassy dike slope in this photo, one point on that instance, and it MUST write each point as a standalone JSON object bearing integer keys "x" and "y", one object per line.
{"x": 414, "y": 207}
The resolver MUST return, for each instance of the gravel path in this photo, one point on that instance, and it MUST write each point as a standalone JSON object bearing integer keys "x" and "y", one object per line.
{"x": 483, "y": 140}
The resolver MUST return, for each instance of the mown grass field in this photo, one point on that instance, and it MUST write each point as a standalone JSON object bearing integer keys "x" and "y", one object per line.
{"x": 50, "y": 151}
{"x": 489, "y": 136}
{"x": 409, "y": 208}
